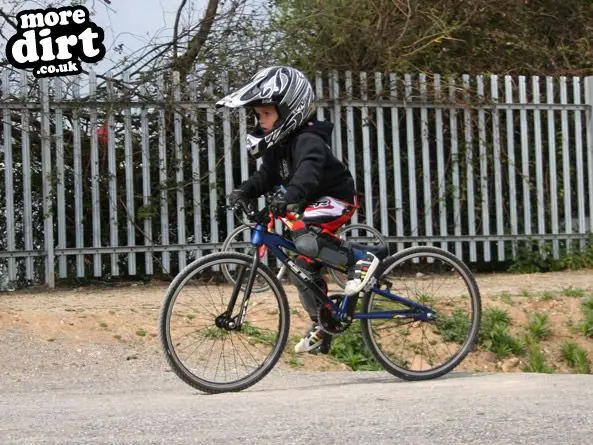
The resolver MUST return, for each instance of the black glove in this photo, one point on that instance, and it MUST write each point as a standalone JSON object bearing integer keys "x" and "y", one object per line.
{"x": 278, "y": 205}
{"x": 297, "y": 208}
{"x": 237, "y": 196}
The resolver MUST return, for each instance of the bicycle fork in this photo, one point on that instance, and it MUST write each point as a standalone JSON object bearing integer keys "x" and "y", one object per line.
{"x": 226, "y": 319}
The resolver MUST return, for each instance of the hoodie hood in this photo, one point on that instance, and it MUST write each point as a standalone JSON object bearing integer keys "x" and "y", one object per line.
{"x": 322, "y": 129}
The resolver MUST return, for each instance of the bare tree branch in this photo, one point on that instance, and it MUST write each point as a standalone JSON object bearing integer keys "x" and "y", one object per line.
{"x": 186, "y": 61}
{"x": 176, "y": 29}
{"x": 8, "y": 19}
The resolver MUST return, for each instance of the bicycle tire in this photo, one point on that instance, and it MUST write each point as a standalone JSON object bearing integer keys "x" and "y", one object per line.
{"x": 469, "y": 280}
{"x": 173, "y": 291}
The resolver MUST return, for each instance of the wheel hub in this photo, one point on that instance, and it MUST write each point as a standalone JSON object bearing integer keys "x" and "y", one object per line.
{"x": 225, "y": 322}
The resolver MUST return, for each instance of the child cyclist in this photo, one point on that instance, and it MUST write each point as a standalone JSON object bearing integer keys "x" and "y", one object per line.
{"x": 296, "y": 155}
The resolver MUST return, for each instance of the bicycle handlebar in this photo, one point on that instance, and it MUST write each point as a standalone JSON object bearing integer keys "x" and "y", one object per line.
{"x": 262, "y": 216}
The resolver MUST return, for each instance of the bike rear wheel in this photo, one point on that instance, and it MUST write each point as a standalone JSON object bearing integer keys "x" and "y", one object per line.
{"x": 203, "y": 351}
{"x": 413, "y": 349}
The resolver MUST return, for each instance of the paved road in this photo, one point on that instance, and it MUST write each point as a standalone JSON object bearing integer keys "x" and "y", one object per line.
{"x": 300, "y": 408}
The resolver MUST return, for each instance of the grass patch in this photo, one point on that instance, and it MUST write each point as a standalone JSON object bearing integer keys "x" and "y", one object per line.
{"x": 586, "y": 325}
{"x": 538, "y": 326}
{"x": 501, "y": 342}
{"x": 536, "y": 360}
{"x": 103, "y": 324}
{"x": 494, "y": 335}
{"x": 213, "y": 332}
{"x": 141, "y": 333}
{"x": 263, "y": 336}
{"x": 576, "y": 357}
{"x": 573, "y": 292}
{"x": 492, "y": 317}
{"x": 547, "y": 296}
{"x": 427, "y": 299}
{"x": 506, "y": 298}
{"x": 295, "y": 361}
{"x": 349, "y": 349}
{"x": 454, "y": 328}
{"x": 587, "y": 304}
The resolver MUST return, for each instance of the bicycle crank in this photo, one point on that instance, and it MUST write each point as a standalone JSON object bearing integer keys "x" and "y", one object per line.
{"x": 329, "y": 320}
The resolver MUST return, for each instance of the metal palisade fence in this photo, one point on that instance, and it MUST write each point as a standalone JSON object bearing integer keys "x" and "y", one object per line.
{"x": 124, "y": 175}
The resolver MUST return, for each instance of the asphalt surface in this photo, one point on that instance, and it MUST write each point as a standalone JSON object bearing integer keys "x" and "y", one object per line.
{"x": 155, "y": 407}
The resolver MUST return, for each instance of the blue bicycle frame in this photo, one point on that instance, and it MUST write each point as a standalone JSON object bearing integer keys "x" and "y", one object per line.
{"x": 275, "y": 242}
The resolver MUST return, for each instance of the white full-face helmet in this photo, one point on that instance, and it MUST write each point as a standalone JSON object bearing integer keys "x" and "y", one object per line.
{"x": 283, "y": 86}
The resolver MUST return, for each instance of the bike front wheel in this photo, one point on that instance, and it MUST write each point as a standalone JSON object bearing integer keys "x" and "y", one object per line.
{"x": 407, "y": 346}
{"x": 205, "y": 351}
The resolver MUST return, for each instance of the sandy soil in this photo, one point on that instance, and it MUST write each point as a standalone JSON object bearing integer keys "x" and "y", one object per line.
{"x": 66, "y": 327}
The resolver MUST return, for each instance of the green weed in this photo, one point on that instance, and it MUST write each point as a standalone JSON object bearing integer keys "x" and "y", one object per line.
{"x": 576, "y": 357}
{"x": 538, "y": 326}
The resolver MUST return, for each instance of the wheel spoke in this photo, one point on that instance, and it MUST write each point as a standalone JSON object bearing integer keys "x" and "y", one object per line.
{"x": 419, "y": 349}
{"x": 197, "y": 335}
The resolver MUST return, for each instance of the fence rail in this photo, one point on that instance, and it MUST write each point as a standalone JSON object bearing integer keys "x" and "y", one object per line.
{"x": 128, "y": 178}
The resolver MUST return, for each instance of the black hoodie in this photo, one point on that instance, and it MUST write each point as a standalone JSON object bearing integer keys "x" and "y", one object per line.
{"x": 305, "y": 165}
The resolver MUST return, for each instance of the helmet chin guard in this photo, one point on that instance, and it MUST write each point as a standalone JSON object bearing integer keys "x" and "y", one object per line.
{"x": 256, "y": 145}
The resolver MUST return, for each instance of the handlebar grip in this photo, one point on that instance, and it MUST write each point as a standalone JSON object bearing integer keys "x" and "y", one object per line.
{"x": 296, "y": 210}
{"x": 244, "y": 207}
